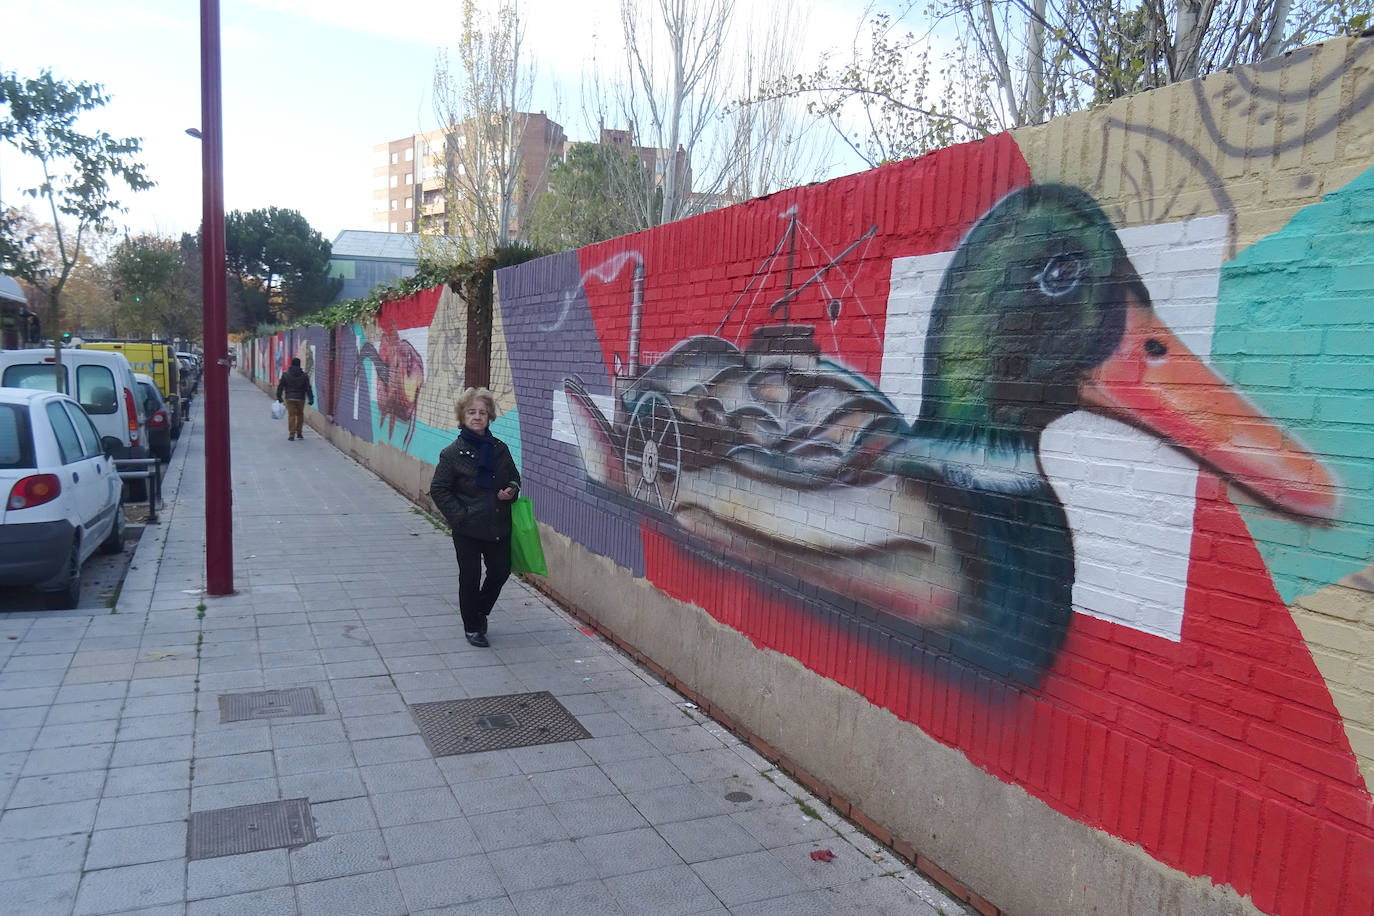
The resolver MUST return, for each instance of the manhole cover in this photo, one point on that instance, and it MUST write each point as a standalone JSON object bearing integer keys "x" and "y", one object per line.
{"x": 493, "y": 723}
{"x": 250, "y": 828}
{"x": 738, "y": 797}
{"x": 269, "y": 704}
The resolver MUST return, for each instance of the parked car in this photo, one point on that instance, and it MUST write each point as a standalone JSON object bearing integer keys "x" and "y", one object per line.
{"x": 190, "y": 381}
{"x": 159, "y": 420}
{"x": 195, "y": 365}
{"x": 156, "y": 360}
{"x": 62, "y": 493}
{"x": 101, "y": 382}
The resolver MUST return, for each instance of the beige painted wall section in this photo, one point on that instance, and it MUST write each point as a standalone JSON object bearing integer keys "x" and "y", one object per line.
{"x": 1338, "y": 624}
{"x": 445, "y": 362}
{"x": 1256, "y": 145}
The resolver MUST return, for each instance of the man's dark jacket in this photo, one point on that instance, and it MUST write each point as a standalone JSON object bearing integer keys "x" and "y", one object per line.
{"x": 468, "y": 509}
{"x": 296, "y": 386}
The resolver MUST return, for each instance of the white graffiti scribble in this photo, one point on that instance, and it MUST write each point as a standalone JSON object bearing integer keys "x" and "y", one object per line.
{"x": 604, "y": 272}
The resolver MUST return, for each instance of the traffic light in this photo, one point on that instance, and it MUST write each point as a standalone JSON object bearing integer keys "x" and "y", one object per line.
{"x": 66, "y": 337}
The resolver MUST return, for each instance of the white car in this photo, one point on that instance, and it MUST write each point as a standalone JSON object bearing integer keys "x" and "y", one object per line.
{"x": 62, "y": 493}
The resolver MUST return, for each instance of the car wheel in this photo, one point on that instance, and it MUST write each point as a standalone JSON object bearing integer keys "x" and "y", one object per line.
{"x": 69, "y": 596}
{"x": 115, "y": 542}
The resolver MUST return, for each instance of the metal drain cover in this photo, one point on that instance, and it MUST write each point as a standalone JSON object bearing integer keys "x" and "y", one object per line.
{"x": 269, "y": 704}
{"x": 494, "y": 723}
{"x": 250, "y": 828}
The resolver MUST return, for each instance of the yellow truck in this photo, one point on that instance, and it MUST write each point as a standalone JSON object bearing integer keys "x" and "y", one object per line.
{"x": 158, "y": 360}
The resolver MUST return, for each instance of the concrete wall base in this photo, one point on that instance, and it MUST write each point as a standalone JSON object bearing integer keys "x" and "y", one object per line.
{"x": 921, "y": 798}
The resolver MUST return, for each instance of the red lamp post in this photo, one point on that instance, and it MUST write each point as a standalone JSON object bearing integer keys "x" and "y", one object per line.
{"x": 219, "y": 536}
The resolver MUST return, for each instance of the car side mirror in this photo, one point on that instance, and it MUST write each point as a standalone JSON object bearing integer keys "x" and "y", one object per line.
{"x": 111, "y": 445}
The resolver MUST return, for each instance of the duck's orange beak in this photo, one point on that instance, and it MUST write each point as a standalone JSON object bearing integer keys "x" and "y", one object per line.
{"x": 1153, "y": 381}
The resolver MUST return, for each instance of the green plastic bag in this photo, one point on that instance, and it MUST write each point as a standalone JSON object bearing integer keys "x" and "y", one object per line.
{"x": 526, "y": 553}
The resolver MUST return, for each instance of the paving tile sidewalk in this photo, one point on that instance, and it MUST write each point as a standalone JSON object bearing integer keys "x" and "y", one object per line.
{"x": 111, "y": 735}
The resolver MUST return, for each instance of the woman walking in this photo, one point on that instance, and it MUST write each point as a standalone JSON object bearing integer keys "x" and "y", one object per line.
{"x": 473, "y": 486}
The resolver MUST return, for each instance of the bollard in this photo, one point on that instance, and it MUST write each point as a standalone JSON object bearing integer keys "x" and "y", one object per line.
{"x": 143, "y": 469}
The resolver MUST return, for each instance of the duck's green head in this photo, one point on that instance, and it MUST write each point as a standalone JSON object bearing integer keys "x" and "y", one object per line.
{"x": 1041, "y": 312}
{"x": 1035, "y": 297}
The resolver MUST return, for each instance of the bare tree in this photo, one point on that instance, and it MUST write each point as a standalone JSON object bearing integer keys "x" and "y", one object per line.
{"x": 978, "y": 66}
{"x": 480, "y": 105}
{"x": 1049, "y": 56}
{"x": 768, "y": 138}
{"x": 670, "y": 94}
{"x": 890, "y": 99}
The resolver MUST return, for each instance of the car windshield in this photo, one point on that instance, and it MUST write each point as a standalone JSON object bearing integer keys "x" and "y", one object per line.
{"x": 16, "y": 440}
{"x": 95, "y": 389}
{"x": 32, "y": 375}
{"x": 151, "y": 400}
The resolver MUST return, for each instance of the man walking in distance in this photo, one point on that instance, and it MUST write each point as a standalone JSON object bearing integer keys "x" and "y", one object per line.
{"x": 295, "y": 388}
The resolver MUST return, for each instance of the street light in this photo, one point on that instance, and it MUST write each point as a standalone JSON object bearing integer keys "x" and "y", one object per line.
{"x": 219, "y": 536}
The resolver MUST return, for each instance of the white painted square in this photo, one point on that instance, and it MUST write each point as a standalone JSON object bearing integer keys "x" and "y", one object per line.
{"x": 1129, "y": 497}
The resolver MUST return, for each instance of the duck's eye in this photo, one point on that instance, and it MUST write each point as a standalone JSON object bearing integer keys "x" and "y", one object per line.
{"x": 1060, "y": 275}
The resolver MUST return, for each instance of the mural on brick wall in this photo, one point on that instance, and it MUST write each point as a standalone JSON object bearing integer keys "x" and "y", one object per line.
{"x": 1040, "y": 313}
{"x": 1057, "y": 446}
{"x": 400, "y": 374}
{"x": 370, "y": 378}
{"x": 1042, "y": 452}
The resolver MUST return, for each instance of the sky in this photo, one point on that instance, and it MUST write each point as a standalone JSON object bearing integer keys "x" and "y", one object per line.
{"x": 309, "y": 87}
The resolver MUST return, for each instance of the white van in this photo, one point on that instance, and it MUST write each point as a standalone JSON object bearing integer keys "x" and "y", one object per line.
{"x": 101, "y": 381}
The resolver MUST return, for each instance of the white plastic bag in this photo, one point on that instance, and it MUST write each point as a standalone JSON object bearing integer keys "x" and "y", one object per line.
{"x": 278, "y": 410}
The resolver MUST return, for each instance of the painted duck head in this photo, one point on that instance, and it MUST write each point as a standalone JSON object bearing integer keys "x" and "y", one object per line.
{"x": 1041, "y": 313}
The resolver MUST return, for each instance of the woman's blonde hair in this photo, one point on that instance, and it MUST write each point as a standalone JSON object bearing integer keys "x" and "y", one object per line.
{"x": 470, "y": 395}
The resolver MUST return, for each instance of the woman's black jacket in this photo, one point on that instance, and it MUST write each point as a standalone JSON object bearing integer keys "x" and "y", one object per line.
{"x": 468, "y": 509}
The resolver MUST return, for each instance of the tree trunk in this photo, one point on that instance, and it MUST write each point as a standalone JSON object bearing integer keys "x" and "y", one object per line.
{"x": 1188, "y": 25}
{"x": 1034, "y": 107}
{"x": 1273, "y": 40}
{"x": 673, "y": 15}
{"x": 1001, "y": 66}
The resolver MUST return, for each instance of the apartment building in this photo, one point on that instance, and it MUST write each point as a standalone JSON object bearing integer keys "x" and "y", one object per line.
{"x": 408, "y": 176}
{"x": 654, "y": 159}
{"x": 407, "y": 183}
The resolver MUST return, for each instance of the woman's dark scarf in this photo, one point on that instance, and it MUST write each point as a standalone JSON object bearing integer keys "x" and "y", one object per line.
{"x": 485, "y": 445}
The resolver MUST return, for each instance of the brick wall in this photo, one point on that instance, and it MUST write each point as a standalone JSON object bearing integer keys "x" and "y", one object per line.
{"x": 1019, "y": 495}
{"x": 1064, "y": 460}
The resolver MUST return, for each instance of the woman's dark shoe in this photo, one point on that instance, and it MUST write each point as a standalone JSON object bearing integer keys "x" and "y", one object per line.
{"x": 477, "y": 639}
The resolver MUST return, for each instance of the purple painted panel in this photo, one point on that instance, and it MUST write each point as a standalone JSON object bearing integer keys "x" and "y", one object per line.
{"x": 353, "y": 407}
{"x": 544, "y": 312}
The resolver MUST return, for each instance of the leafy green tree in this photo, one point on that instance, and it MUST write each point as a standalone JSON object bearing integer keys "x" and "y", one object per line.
{"x": 278, "y": 266}
{"x": 583, "y": 204}
{"x": 159, "y": 286}
{"x": 18, "y": 256}
{"x": 77, "y": 168}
